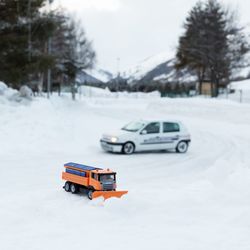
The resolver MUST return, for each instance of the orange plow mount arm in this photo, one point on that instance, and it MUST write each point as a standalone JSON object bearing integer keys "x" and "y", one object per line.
{"x": 108, "y": 194}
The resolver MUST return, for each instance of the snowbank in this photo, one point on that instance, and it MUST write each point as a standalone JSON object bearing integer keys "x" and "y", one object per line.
{"x": 9, "y": 95}
{"x": 6, "y": 94}
{"x": 87, "y": 91}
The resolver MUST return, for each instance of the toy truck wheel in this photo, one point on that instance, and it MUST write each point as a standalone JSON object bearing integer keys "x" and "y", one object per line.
{"x": 182, "y": 147}
{"x": 67, "y": 186}
{"x": 90, "y": 193}
{"x": 128, "y": 148}
{"x": 73, "y": 188}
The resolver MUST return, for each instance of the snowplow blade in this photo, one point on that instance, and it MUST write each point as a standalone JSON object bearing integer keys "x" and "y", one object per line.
{"x": 108, "y": 194}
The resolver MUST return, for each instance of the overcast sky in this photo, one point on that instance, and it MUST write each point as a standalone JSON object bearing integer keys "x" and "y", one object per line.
{"x": 133, "y": 30}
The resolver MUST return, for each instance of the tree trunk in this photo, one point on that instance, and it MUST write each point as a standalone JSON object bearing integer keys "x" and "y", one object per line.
{"x": 212, "y": 83}
{"x": 217, "y": 83}
{"x": 73, "y": 92}
{"x": 201, "y": 75}
{"x": 40, "y": 84}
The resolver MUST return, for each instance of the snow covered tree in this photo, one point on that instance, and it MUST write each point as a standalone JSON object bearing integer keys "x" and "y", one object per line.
{"x": 212, "y": 44}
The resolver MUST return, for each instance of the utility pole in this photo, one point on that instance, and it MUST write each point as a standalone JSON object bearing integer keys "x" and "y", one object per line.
{"x": 49, "y": 53}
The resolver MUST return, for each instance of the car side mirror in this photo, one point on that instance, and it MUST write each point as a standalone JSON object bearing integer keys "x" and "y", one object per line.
{"x": 144, "y": 132}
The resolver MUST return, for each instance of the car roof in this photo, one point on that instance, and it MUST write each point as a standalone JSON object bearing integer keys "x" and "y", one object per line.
{"x": 159, "y": 120}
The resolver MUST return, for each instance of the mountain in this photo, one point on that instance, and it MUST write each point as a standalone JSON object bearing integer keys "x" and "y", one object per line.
{"x": 94, "y": 77}
{"x": 159, "y": 68}
{"x": 138, "y": 71}
{"x": 100, "y": 74}
{"x": 166, "y": 73}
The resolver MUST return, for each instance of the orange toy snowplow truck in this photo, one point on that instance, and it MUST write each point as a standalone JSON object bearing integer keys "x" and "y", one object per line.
{"x": 96, "y": 181}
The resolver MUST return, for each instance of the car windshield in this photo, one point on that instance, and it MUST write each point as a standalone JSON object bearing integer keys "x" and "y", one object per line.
{"x": 107, "y": 177}
{"x": 133, "y": 126}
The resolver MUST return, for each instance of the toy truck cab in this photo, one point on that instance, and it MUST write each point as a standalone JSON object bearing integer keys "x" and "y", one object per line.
{"x": 98, "y": 182}
{"x": 103, "y": 180}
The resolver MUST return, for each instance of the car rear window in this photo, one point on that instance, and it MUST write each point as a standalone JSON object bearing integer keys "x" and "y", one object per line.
{"x": 170, "y": 127}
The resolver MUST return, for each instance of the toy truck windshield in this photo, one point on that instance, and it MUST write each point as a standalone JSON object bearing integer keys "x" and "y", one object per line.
{"x": 106, "y": 177}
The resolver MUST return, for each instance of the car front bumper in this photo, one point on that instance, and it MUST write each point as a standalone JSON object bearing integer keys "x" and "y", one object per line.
{"x": 111, "y": 147}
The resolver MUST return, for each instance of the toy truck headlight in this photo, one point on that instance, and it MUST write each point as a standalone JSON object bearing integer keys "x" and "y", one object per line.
{"x": 114, "y": 139}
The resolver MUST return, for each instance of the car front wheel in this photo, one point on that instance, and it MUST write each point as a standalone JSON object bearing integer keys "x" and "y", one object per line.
{"x": 182, "y": 147}
{"x": 128, "y": 148}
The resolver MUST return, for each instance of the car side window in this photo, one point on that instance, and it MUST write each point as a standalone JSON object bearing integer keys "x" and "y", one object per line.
{"x": 169, "y": 127}
{"x": 153, "y": 128}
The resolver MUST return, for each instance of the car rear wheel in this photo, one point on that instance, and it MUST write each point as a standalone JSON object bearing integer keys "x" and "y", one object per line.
{"x": 182, "y": 147}
{"x": 128, "y": 148}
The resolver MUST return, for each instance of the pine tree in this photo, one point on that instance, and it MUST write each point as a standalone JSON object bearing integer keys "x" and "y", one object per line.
{"x": 208, "y": 44}
{"x": 24, "y": 45}
{"x": 17, "y": 33}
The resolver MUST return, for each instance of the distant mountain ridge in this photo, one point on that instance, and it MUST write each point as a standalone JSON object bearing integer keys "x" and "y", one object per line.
{"x": 94, "y": 77}
{"x": 161, "y": 69}
{"x": 158, "y": 69}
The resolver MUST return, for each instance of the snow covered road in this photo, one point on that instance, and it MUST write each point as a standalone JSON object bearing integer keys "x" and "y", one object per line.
{"x": 199, "y": 200}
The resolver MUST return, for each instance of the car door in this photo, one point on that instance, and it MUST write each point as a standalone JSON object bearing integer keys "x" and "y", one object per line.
{"x": 149, "y": 137}
{"x": 170, "y": 134}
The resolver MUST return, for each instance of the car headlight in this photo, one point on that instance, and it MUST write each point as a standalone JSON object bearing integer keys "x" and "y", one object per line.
{"x": 114, "y": 139}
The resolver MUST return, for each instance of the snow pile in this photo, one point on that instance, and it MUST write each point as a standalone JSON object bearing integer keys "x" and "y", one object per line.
{"x": 3, "y": 88}
{"x": 88, "y": 91}
{"x": 26, "y": 92}
{"x": 91, "y": 92}
{"x": 6, "y": 94}
{"x": 11, "y": 95}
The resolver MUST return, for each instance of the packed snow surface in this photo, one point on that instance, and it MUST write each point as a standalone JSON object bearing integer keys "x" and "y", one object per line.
{"x": 198, "y": 200}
